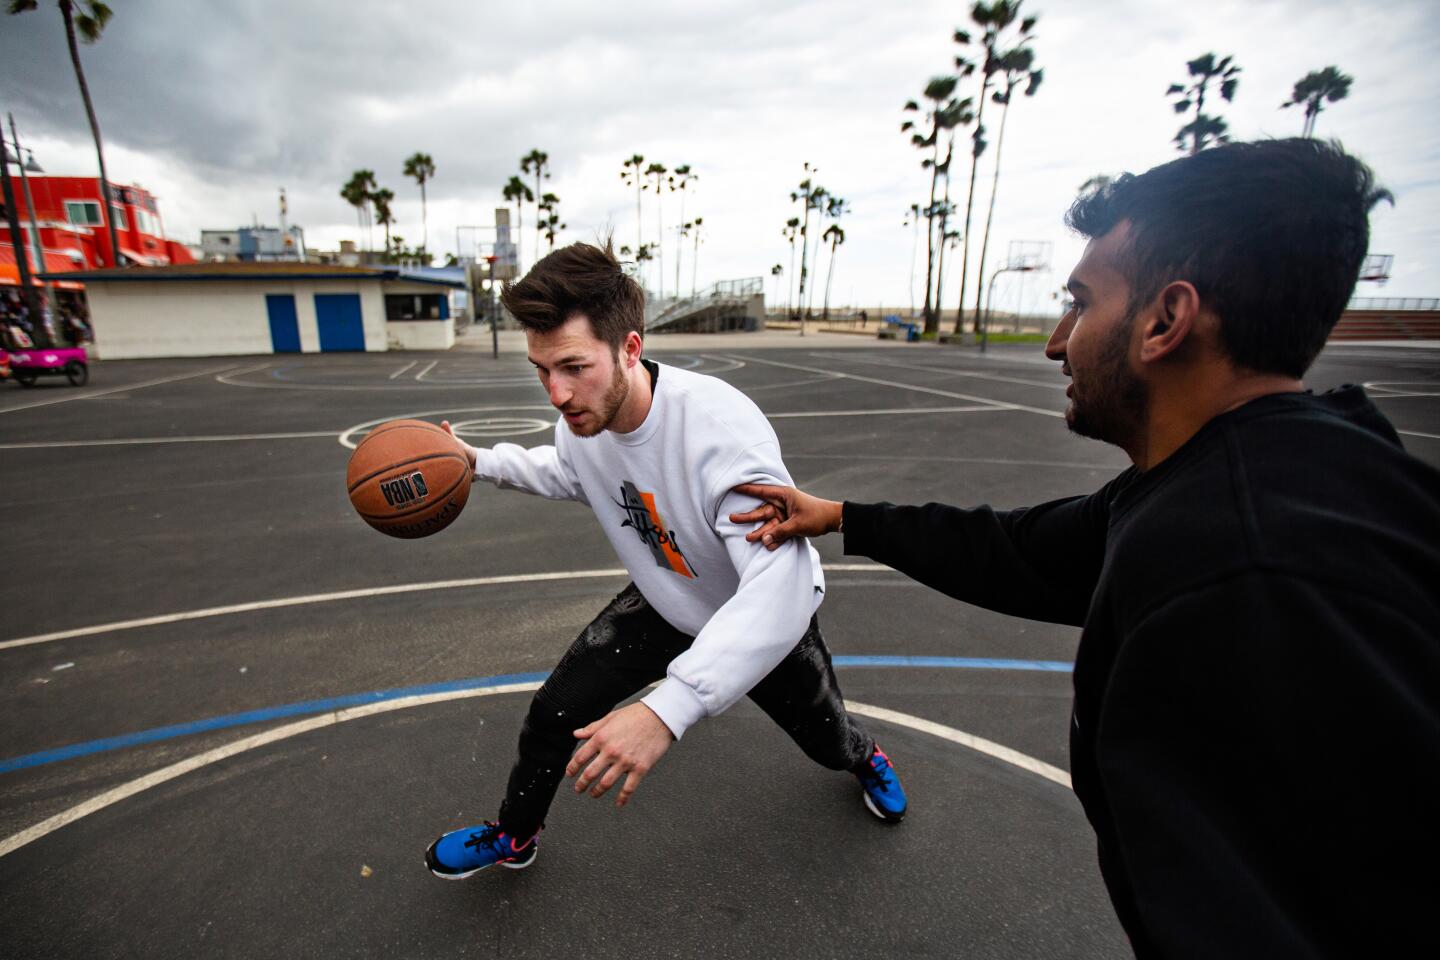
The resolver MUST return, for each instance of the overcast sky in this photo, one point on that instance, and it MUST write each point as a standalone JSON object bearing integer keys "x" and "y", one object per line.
{"x": 214, "y": 106}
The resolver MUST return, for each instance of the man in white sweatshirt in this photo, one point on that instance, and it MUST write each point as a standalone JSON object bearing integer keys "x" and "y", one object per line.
{"x": 655, "y": 451}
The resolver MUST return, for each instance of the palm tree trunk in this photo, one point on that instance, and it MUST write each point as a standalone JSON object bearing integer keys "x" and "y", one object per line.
{"x": 659, "y": 244}
{"x": 932, "y": 320}
{"x": 804, "y": 258}
{"x": 829, "y": 275}
{"x": 695, "y": 261}
{"x": 68, "y": 14}
{"x": 989, "y": 217}
{"x": 790, "y": 287}
{"x": 424, "y": 221}
{"x": 969, "y": 204}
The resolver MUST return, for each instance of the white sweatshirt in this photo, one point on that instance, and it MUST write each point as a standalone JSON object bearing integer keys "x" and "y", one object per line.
{"x": 662, "y": 494}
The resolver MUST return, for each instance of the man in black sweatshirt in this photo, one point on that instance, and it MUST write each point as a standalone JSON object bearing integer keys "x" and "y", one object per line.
{"x": 1256, "y": 727}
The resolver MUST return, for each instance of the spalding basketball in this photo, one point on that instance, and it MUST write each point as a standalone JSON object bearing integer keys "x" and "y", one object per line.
{"x": 408, "y": 478}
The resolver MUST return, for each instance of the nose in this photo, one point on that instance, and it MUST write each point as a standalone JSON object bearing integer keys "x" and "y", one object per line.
{"x": 560, "y": 394}
{"x": 1060, "y": 339}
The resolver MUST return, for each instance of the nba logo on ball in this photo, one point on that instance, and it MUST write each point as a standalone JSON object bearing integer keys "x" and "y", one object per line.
{"x": 403, "y": 491}
{"x": 408, "y": 479}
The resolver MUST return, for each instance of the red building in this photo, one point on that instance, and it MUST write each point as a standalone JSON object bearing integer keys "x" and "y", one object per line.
{"x": 70, "y": 218}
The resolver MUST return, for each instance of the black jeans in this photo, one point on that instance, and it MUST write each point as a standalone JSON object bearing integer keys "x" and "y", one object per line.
{"x": 626, "y": 648}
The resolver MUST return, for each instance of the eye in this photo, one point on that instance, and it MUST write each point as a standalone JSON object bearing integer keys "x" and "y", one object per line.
{"x": 1075, "y": 306}
{"x": 575, "y": 369}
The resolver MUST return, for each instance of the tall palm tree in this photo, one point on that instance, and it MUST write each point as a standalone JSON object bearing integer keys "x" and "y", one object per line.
{"x": 382, "y": 199}
{"x": 1316, "y": 86}
{"x": 835, "y": 207}
{"x": 632, "y": 175}
{"x": 90, "y": 23}
{"x": 549, "y": 209}
{"x": 537, "y": 162}
{"x": 1204, "y": 129}
{"x": 420, "y": 167}
{"x": 791, "y": 231}
{"x": 836, "y": 236}
{"x": 811, "y": 196}
{"x": 516, "y": 190}
{"x": 658, "y": 176}
{"x": 1016, "y": 66}
{"x": 358, "y": 192}
{"x": 682, "y": 176}
{"x": 945, "y": 113}
{"x": 994, "y": 19}
{"x": 912, "y": 219}
{"x": 776, "y": 272}
{"x": 697, "y": 223}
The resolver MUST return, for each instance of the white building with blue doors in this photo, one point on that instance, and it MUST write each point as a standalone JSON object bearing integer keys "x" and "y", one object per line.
{"x": 222, "y": 309}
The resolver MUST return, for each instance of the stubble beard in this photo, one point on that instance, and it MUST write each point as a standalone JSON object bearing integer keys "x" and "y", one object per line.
{"x": 1114, "y": 402}
{"x": 614, "y": 398}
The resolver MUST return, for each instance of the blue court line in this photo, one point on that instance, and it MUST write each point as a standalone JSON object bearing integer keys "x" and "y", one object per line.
{"x": 310, "y": 707}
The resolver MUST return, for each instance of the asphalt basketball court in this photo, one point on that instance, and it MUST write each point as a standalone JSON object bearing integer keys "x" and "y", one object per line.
{"x": 234, "y": 716}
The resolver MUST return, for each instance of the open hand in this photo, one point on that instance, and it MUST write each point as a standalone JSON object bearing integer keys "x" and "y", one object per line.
{"x": 787, "y": 513}
{"x": 469, "y": 450}
{"x": 624, "y": 743}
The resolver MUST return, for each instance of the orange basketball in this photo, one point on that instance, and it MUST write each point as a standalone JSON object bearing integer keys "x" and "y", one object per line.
{"x": 408, "y": 478}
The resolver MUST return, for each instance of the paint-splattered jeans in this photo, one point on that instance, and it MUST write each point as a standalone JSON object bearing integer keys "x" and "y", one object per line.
{"x": 627, "y": 647}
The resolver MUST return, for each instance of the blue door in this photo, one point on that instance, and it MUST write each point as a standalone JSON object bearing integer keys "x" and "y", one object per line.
{"x": 284, "y": 328}
{"x": 338, "y": 317}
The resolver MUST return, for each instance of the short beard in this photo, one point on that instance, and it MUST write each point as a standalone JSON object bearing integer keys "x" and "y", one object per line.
{"x": 1114, "y": 402}
{"x": 610, "y": 404}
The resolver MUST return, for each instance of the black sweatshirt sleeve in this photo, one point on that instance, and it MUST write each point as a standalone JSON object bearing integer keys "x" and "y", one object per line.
{"x": 1041, "y": 562}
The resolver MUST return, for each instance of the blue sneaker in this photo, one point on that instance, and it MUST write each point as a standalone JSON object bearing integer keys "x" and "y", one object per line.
{"x": 883, "y": 794}
{"x": 462, "y": 853}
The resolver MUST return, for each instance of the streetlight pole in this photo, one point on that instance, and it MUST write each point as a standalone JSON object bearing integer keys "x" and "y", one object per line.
{"x": 494, "y": 314}
{"x": 22, "y": 257}
{"x": 35, "y": 239}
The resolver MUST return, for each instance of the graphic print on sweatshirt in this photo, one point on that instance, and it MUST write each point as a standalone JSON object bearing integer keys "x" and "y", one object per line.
{"x": 644, "y": 518}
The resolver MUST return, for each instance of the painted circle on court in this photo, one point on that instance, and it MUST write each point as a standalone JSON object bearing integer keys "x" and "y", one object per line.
{"x": 497, "y": 427}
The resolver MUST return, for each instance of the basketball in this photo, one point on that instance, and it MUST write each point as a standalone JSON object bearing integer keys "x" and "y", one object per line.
{"x": 408, "y": 478}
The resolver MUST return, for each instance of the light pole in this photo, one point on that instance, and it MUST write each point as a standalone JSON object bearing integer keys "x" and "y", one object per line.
{"x": 30, "y": 166}
{"x": 494, "y": 314}
{"x": 22, "y": 258}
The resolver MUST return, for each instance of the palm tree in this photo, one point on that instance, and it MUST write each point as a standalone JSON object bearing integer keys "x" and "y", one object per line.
{"x": 90, "y": 22}
{"x": 1015, "y": 67}
{"x": 994, "y": 18}
{"x": 776, "y": 272}
{"x": 1204, "y": 129}
{"x": 656, "y": 173}
{"x": 912, "y": 218}
{"x": 549, "y": 205}
{"x": 1316, "y": 86}
{"x": 682, "y": 176}
{"x": 631, "y": 175}
{"x": 536, "y": 162}
{"x": 945, "y": 113}
{"x": 811, "y": 195}
{"x": 382, "y": 198}
{"x": 791, "y": 231}
{"x": 358, "y": 192}
{"x": 836, "y": 236}
{"x": 421, "y": 168}
{"x": 697, "y": 223}
{"x": 516, "y": 190}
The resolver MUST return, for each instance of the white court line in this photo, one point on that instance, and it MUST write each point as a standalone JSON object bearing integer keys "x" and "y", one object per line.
{"x": 421, "y": 375}
{"x": 902, "y": 411}
{"x": 1417, "y": 433}
{"x": 164, "y": 774}
{"x": 403, "y": 369}
{"x": 352, "y": 595}
{"x": 102, "y": 393}
{"x": 1003, "y": 404}
{"x": 959, "y": 373}
{"x": 147, "y": 440}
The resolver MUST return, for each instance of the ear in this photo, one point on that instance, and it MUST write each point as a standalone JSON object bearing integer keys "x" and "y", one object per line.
{"x": 1169, "y": 322}
{"x": 634, "y": 346}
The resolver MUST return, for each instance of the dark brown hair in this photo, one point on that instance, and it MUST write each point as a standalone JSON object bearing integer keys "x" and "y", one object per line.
{"x": 581, "y": 278}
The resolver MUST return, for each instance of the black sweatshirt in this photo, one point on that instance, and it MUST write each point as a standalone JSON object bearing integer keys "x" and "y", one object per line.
{"x": 1256, "y": 727}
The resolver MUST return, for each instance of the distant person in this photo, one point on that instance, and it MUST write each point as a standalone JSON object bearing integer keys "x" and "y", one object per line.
{"x": 654, "y": 450}
{"x": 1256, "y": 725}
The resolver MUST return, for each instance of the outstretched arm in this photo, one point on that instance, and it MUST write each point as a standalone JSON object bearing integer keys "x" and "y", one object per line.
{"x": 538, "y": 470}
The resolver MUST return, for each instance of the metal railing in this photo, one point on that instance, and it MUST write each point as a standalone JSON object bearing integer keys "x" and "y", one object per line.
{"x": 1394, "y": 303}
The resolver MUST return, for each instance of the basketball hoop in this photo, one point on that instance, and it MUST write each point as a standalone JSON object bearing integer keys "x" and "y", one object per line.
{"x": 1376, "y": 268}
